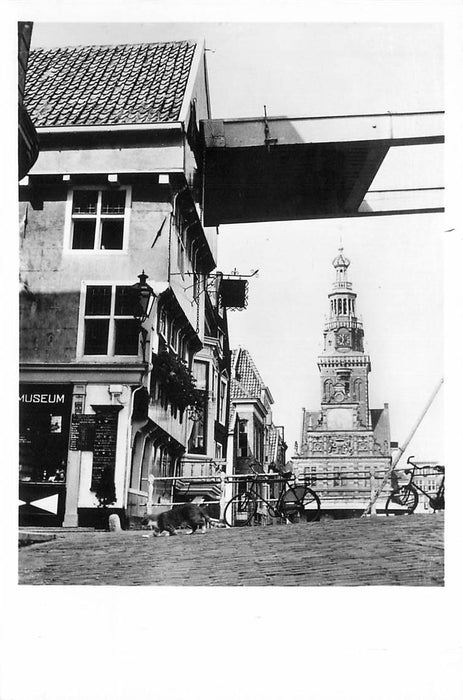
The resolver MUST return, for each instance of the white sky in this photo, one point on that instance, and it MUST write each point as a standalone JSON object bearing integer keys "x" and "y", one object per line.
{"x": 303, "y": 69}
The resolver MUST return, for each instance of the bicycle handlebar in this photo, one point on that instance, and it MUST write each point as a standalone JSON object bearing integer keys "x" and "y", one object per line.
{"x": 437, "y": 467}
{"x": 266, "y": 475}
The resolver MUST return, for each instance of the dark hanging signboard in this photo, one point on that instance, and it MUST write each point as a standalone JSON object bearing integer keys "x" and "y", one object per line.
{"x": 104, "y": 445}
{"x": 234, "y": 293}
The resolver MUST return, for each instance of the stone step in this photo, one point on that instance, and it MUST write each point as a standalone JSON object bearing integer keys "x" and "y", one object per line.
{"x": 25, "y": 528}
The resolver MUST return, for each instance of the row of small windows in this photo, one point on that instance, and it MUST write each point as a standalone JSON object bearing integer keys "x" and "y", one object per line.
{"x": 343, "y": 378}
{"x": 99, "y": 221}
{"x": 109, "y": 326}
{"x": 343, "y": 306}
{"x": 332, "y": 477}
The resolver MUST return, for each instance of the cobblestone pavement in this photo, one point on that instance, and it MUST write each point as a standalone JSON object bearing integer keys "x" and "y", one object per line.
{"x": 368, "y": 551}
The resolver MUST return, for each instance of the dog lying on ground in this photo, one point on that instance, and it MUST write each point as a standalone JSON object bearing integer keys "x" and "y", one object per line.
{"x": 189, "y": 514}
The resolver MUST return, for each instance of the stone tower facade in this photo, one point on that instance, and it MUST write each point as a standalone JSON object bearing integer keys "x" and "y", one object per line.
{"x": 344, "y": 442}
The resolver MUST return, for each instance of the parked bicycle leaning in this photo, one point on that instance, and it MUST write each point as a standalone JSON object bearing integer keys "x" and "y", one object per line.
{"x": 404, "y": 497}
{"x": 295, "y": 502}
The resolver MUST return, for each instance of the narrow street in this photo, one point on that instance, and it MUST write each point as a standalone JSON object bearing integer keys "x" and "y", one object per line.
{"x": 369, "y": 551}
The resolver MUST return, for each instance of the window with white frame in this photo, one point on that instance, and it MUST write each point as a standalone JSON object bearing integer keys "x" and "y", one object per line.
{"x": 242, "y": 438}
{"x": 99, "y": 218}
{"x": 181, "y": 227}
{"x": 197, "y": 442}
{"x": 109, "y": 327}
{"x": 162, "y": 324}
{"x": 173, "y": 336}
{"x": 222, "y": 400}
{"x": 166, "y": 461}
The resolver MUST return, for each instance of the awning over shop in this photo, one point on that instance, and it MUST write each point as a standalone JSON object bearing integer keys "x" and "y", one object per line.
{"x": 280, "y": 168}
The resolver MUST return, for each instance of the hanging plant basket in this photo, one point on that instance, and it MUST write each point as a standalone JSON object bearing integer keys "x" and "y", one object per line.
{"x": 176, "y": 382}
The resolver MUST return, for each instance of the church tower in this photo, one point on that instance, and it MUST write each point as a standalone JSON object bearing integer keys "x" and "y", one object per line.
{"x": 345, "y": 441}
{"x": 343, "y": 366}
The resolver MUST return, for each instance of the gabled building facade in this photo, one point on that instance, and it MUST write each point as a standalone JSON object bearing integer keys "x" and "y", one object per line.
{"x": 206, "y": 447}
{"x": 254, "y": 442}
{"x": 115, "y": 196}
{"x": 345, "y": 442}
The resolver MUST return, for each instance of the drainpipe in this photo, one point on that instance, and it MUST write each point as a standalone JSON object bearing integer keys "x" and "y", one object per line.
{"x": 129, "y": 447}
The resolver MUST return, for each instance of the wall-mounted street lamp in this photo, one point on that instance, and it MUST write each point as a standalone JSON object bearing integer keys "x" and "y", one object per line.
{"x": 143, "y": 300}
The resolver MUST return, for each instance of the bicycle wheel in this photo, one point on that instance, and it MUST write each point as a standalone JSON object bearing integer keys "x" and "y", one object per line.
{"x": 240, "y": 510}
{"x": 403, "y": 501}
{"x": 300, "y": 502}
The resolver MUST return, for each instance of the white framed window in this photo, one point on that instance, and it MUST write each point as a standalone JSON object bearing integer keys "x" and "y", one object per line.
{"x": 223, "y": 385}
{"x": 98, "y": 219}
{"x": 181, "y": 228}
{"x": 165, "y": 462}
{"x": 107, "y": 327}
{"x": 174, "y": 337}
{"x": 243, "y": 437}
{"x": 214, "y": 386}
{"x": 218, "y": 450}
{"x": 163, "y": 324}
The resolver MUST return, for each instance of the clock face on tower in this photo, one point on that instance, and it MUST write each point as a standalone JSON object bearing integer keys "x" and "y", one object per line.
{"x": 343, "y": 340}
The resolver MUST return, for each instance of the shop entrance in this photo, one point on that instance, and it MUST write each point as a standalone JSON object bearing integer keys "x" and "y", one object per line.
{"x": 44, "y": 417}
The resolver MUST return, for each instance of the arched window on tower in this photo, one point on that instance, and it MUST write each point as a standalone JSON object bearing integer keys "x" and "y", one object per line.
{"x": 357, "y": 389}
{"x": 345, "y": 306}
{"x": 328, "y": 389}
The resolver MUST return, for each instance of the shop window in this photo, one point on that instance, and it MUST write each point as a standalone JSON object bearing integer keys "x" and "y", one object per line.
{"x": 99, "y": 219}
{"x": 109, "y": 327}
{"x": 44, "y": 418}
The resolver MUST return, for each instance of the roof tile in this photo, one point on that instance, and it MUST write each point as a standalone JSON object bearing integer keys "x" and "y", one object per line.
{"x": 98, "y": 85}
{"x": 246, "y": 382}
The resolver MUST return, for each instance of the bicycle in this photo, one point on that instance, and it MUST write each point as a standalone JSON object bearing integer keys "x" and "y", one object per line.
{"x": 404, "y": 499}
{"x": 294, "y": 502}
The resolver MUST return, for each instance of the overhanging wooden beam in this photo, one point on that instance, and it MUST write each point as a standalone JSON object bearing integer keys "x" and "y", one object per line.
{"x": 395, "y": 128}
{"x": 282, "y": 169}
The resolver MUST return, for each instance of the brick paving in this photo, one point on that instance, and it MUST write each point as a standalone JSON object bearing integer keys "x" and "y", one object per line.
{"x": 367, "y": 551}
